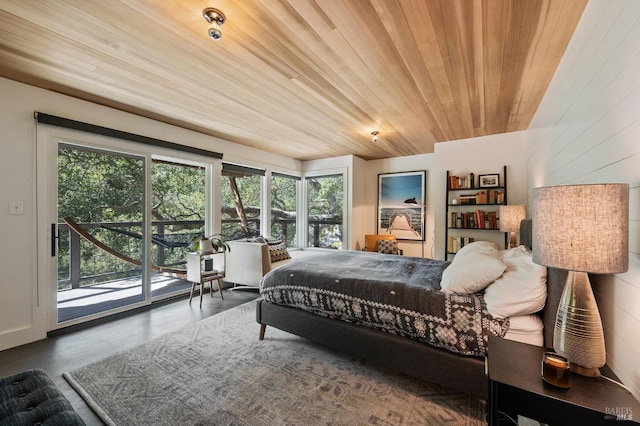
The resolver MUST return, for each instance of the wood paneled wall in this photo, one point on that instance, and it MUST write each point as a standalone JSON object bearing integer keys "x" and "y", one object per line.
{"x": 587, "y": 130}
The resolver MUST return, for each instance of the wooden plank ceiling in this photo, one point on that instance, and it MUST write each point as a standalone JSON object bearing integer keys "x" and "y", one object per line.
{"x": 304, "y": 78}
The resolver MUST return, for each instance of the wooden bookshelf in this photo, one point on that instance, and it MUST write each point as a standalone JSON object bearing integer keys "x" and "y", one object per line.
{"x": 471, "y": 208}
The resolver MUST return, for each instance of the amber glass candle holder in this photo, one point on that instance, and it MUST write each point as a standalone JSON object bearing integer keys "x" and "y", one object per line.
{"x": 555, "y": 370}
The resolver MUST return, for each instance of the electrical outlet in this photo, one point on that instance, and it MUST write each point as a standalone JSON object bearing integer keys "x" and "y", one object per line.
{"x": 16, "y": 207}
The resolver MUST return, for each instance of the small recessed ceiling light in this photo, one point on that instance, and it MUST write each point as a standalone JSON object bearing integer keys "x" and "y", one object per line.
{"x": 215, "y": 34}
{"x": 374, "y": 135}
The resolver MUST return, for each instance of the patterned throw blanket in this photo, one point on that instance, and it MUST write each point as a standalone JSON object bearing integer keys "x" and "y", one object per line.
{"x": 396, "y": 294}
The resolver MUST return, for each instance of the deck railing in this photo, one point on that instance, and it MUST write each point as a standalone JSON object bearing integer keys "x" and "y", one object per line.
{"x": 159, "y": 229}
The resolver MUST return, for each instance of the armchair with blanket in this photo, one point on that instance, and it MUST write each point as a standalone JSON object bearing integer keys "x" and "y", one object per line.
{"x": 248, "y": 260}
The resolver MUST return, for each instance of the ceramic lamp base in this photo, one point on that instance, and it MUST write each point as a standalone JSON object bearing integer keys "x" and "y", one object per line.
{"x": 578, "y": 332}
{"x": 583, "y": 371}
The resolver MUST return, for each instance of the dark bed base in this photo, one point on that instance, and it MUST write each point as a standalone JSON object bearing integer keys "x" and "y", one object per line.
{"x": 462, "y": 373}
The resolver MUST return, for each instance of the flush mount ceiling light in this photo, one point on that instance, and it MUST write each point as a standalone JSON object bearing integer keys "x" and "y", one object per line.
{"x": 374, "y": 136}
{"x": 214, "y": 16}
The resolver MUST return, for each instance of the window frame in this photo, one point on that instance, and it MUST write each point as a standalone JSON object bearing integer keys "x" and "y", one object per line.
{"x": 263, "y": 174}
{"x": 269, "y": 189}
{"x": 343, "y": 171}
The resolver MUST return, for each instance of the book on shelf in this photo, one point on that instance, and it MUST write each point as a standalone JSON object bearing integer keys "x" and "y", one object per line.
{"x": 480, "y": 215}
{"x": 462, "y": 220}
{"x": 493, "y": 220}
{"x": 491, "y": 196}
{"x": 468, "y": 199}
{"x": 456, "y": 243}
{"x": 472, "y": 220}
{"x": 481, "y": 197}
{"x": 495, "y": 197}
{"x": 480, "y": 219}
{"x": 462, "y": 182}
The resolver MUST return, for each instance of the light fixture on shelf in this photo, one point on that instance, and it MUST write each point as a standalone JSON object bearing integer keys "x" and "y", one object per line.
{"x": 214, "y": 16}
{"x": 510, "y": 217}
{"x": 582, "y": 229}
{"x": 374, "y": 136}
{"x": 415, "y": 202}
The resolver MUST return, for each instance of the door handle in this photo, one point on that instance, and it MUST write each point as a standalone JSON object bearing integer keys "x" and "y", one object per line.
{"x": 54, "y": 240}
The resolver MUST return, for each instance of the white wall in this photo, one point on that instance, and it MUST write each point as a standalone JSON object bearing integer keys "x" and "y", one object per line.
{"x": 393, "y": 165}
{"x": 487, "y": 154}
{"x": 359, "y": 202}
{"x": 23, "y": 316}
{"x": 481, "y": 155}
{"x": 587, "y": 130}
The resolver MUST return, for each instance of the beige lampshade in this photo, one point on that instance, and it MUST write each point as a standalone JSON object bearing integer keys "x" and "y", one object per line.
{"x": 511, "y": 216}
{"x": 582, "y": 227}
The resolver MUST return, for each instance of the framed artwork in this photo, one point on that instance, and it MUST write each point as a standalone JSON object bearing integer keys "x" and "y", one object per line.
{"x": 402, "y": 205}
{"x": 489, "y": 181}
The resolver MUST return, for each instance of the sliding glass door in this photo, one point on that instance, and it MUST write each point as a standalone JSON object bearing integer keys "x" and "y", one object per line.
{"x": 178, "y": 206}
{"x": 124, "y": 224}
{"x": 101, "y": 200}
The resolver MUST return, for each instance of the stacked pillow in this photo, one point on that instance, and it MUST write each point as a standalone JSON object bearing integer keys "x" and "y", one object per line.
{"x": 513, "y": 285}
{"x": 277, "y": 248}
{"x": 474, "y": 267}
{"x": 521, "y": 290}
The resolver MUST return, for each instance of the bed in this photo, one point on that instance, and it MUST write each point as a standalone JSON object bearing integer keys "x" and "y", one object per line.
{"x": 396, "y": 316}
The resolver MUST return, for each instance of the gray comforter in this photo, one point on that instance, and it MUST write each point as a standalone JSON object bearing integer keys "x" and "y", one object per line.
{"x": 397, "y": 294}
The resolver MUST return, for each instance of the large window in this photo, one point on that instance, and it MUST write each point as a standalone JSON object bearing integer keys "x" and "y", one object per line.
{"x": 241, "y": 201}
{"x": 284, "y": 203}
{"x": 325, "y": 207}
{"x": 178, "y": 210}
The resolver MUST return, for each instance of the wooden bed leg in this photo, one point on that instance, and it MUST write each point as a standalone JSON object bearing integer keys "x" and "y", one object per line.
{"x": 263, "y": 327}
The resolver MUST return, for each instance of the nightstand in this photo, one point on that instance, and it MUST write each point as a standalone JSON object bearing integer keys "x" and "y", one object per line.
{"x": 198, "y": 276}
{"x": 516, "y": 388}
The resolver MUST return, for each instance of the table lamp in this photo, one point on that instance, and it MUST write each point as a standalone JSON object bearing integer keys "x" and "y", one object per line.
{"x": 510, "y": 218}
{"x": 582, "y": 229}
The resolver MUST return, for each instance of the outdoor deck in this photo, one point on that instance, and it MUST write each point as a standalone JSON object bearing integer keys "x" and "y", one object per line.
{"x": 84, "y": 301}
{"x": 81, "y": 301}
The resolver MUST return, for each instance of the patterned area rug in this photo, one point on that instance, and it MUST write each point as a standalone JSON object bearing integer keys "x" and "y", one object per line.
{"x": 217, "y": 372}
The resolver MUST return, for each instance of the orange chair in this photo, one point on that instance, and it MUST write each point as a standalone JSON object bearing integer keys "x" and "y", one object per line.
{"x": 371, "y": 241}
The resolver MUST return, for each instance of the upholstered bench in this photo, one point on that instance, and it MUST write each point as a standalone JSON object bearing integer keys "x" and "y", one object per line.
{"x": 31, "y": 398}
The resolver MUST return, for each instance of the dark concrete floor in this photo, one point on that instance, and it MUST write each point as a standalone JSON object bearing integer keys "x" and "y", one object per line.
{"x": 68, "y": 351}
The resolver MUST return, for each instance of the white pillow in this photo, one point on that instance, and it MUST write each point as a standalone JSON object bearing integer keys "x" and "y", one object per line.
{"x": 475, "y": 266}
{"x": 526, "y": 329}
{"x": 480, "y": 247}
{"x": 521, "y": 290}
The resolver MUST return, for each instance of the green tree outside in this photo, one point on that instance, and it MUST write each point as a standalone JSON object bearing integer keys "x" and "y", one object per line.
{"x": 325, "y": 209}
{"x": 98, "y": 187}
